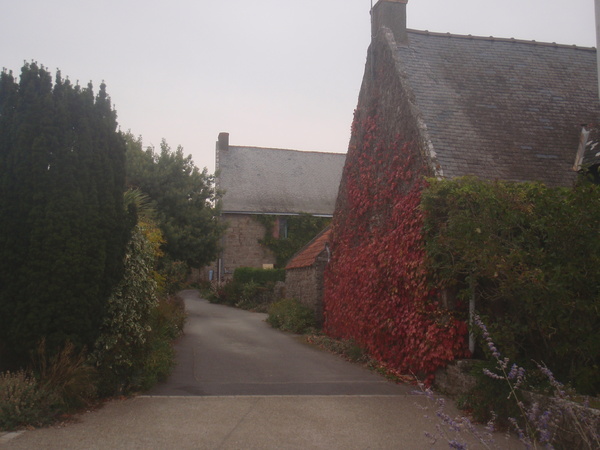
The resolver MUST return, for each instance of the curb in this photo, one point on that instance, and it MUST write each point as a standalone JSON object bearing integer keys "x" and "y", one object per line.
{"x": 5, "y": 437}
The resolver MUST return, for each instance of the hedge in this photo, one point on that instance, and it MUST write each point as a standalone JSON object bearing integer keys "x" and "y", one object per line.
{"x": 259, "y": 276}
{"x": 530, "y": 256}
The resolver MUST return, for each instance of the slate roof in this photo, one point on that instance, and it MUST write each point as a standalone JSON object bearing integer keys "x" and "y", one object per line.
{"x": 277, "y": 181}
{"x": 501, "y": 108}
{"x": 308, "y": 255}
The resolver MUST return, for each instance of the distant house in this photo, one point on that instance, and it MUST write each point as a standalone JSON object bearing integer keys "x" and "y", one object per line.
{"x": 305, "y": 273}
{"x": 440, "y": 105}
{"x": 265, "y": 181}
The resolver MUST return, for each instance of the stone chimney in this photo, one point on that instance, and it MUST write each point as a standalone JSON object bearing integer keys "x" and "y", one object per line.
{"x": 390, "y": 14}
{"x": 223, "y": 142}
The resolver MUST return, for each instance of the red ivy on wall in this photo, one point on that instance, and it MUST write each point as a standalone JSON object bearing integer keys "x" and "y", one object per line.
{"x": 376, "y": 289}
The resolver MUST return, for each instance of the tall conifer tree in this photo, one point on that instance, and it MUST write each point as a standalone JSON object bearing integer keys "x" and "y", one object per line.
{"x": 62, "y": 224}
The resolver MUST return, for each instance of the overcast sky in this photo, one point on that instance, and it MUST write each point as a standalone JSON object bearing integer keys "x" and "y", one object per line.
{"x": 272, "y": 73}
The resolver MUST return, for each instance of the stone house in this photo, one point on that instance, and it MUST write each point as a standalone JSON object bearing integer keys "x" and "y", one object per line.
{"x": 266, "y": 181}
{"x": 440, "y": 105}
{"x": 304, "y": 274}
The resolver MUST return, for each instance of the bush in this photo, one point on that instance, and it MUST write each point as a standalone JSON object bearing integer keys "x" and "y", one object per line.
{"x": 527, "y": 254}
{"x": 251, "y": 295}
{"x": 119, "y": 352}
{"x": 57, "y": 383}
{"x": 553, "y": 419}
{"x": 169, "y": 316}
{"x": 225, "y": 294}
{"x": 173, "y": 275}
{"x": 158, "y": 358}
{"x": 291, "y": 315}
{"x": 21, "y": 401}
{"x": 66, "y": 376}
{"x": 261, "y": 277}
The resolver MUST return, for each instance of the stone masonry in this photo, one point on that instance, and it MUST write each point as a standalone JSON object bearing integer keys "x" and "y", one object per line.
{"x": 305, "y": 284}
{"x": 240, "y": 244}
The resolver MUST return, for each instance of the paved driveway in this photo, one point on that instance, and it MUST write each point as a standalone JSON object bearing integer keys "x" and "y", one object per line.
{"x": 227, "y": 351}
{"x": 241, "y": 385}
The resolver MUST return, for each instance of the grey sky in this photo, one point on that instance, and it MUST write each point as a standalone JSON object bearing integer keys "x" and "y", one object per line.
{"x": 273, "y": 73}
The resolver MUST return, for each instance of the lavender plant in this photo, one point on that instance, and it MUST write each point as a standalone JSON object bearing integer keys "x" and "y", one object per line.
{"x": 542, "y": 422}
{"x": 455, "y": 431}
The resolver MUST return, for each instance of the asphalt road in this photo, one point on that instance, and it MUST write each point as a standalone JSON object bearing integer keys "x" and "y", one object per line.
{"x": 227, "y": 351}
{"x": 241, "y": 385}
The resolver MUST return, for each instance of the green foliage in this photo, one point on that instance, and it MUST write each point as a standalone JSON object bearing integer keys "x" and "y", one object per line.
{"x": 119, "y": 350}
{"x": 488, "y": 399}
{"x": 225, "y": 294}
{"x": 21, "y": 401}
{"x": 173, "y": 275}
{"x": 258, "y": 276}
{"x": 252, "y": 289}
{"x": 168, "y": 318}
{"x": 291, "y": 315}
{"x": 63, "y": 229}
{"x": 134, "y": 350}
{"x": 301, "y": 230}
{"x": 58, "y": 383}
{"x": 184, "y": 197}
{"x": 66, "y": 375}
{"x": 250, "y": 296}
{"x": 530, "y": 255}
{"x": 167, "y": 321}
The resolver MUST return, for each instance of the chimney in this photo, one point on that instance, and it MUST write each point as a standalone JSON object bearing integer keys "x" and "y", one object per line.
{"x": 390, "y": 14}
{"x": 223, "y": 142}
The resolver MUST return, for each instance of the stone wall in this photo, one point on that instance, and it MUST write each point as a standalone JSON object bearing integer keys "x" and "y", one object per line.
{"x": 305, "y": 284}
{"x": 455, "y": 380}
{"x": 240, "y": 244}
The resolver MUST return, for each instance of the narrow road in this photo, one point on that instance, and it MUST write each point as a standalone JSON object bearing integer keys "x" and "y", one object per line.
{"x": 241, "y": 385}
{"x": 227, "y": 351}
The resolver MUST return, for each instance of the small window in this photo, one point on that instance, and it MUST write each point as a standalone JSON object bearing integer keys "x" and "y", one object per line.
{"x": 283, "y": 227}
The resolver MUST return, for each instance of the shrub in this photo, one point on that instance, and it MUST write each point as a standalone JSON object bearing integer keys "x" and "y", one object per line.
{"x": 225, "y": 294}
{"x": 261, "y": 277}
{"x": 291, "y": 315}
{"x": 540, "y": 421}
{"x": 22, "y": 402}
{"x": 67, "y": 376}
{"x": 57, "y": 383}
{"x": 173, "y": 275}
{"x": 158, "y": 356}
{"x": 527, "y": 254}
{"x": 168, "y": 317}
{"x": 119, "y": 351}
{"x": 250, "y": 295}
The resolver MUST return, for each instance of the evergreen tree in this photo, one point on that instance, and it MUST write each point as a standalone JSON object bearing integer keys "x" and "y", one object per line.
{"x": 185, "y": 200}
{"x": 63, "y": 228}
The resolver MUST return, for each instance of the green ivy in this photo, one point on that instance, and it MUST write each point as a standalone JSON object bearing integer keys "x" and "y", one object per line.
{"x": 530, "y": 256}
{"x": 301, "y": 229}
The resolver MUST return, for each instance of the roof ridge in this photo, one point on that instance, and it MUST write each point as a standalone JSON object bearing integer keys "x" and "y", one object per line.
{"x": 286, "y": 150}
{"x": 497, "y": 39}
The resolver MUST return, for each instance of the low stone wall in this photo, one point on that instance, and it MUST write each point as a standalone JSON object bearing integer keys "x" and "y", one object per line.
{"x": 306, "y": 285}
{"x": 455, "y": 379}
